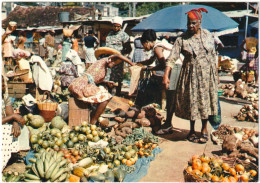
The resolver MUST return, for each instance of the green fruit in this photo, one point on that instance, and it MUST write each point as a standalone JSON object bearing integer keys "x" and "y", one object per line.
{"x": 96, "y": 139}
{"x": 63, "y": 146}
{"x": 74, "y": 139}
{"x": 88, "y": 131}
{"x": 89, "y": 136}
{"x": 45, "y": 144}
{"x": 117, "y": 162}
{"x": 76, "y": 128}
{"x": 107, "y": 150}
{"x": 81, "y": 137}
{"x": 70, "y": 144}
{"x": 71, "y": 135}
{"x": 94, "y": 133}
{"x": 83, "y": 129}
{"x": 34, "y": 139}
{"x": 40, "y": 141}
{"x": 59, "y": 142}
{"x": 128, "y": 155}
{"x": 51, "y": 143}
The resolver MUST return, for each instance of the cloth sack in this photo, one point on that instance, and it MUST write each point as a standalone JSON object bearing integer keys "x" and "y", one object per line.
{"x": 135, "y": 76}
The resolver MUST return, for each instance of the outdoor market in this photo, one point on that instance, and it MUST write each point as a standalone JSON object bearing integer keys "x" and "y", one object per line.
{"x": 101, "y": 92}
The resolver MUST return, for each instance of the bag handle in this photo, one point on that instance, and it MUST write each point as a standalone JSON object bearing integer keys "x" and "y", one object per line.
{"x": 48, "y": 96}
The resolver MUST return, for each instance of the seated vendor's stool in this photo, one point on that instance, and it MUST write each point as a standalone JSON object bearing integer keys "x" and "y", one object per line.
{"x": 78, "y": 111}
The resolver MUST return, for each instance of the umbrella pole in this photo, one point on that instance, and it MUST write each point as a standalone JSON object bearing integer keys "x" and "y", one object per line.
{"x": 247, "y": 7}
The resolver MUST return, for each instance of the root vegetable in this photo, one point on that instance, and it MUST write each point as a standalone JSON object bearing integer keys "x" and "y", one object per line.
{"x": 129, "y": 124}
{"x": 120, "y": 133}
{"x": 126, "y": 130}
{"x": 141, "y": 115}
{"x": 104, "y": 123}
{"x": 130, "y": 114}
{"x": 119, "y": 119}
{"x": 143, "y": 122}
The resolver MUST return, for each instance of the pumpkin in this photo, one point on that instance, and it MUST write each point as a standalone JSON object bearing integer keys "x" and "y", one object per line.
{"x": 79, "y": 171}
{"x": 74, "y": 178}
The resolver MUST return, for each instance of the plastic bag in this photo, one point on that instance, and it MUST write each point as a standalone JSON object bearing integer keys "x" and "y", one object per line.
{"x": 215, "y": 120}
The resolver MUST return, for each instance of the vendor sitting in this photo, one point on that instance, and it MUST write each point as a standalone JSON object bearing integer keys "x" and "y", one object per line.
{"x": 15, "y": 136}
{"x": 85, "y": 87}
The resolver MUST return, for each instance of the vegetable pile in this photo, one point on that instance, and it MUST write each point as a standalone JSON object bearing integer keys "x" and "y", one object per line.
{"x": 248, "y": 113}
{"x": 241, "y": 90}
{"x": 214, "y": 169}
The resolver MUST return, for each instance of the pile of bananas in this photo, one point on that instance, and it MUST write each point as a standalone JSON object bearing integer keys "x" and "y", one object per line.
{"x": 48, "y": 166}
{"x": 12, "y": 176}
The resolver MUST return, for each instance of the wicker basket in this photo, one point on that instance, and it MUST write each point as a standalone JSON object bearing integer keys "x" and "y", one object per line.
{"x": 231, "y": 161}
{"x": 47, "y": 109}
{"x": 19, "y": 74}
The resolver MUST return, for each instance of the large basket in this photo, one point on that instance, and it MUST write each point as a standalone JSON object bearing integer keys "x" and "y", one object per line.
{"x": 47, "y": 109}
{"x": 231, "y": 161}
{"x": 19, "y": 74}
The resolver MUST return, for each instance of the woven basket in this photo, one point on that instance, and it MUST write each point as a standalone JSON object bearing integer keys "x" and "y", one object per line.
{"x": 231, "y": 161}
{"x": 67, "y": 32}
{"x": 19, "y": 74}
{"x": 47, "y": 109}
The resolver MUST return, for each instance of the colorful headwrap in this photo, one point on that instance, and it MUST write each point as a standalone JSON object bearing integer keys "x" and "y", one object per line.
{"x": 196, "y": 13}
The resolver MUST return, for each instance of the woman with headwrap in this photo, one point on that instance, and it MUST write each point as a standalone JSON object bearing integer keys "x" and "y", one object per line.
{"x": 196, "y": 96}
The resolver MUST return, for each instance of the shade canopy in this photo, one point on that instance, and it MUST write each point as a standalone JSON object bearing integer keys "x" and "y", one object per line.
{"x": 174, "y": 19}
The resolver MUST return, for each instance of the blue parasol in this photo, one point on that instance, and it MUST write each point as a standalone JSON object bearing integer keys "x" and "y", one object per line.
{"x": 174, "y": 19}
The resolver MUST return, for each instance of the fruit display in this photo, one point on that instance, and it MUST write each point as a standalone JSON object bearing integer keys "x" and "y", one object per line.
{"x": 215, "y": 169}
{"x": 10, "y": 176}
{"x": 35, "y": 121}
{"x": 248, "y": 113}
{"x": 48, "y": 166}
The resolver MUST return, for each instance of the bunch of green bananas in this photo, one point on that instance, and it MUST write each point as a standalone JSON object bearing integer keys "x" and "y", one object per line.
{"x": 48, "y": 166}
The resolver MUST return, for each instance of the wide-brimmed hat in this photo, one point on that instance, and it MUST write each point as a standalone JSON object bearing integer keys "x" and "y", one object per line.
{"x": 105, "y": 51}
{"x": 117, "y": 20}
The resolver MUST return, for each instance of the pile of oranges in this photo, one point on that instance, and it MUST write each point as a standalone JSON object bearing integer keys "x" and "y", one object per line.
{"x": 215, "y": 170}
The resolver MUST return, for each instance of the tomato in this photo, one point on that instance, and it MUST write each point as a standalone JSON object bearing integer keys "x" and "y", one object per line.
{"x": 117, "y": 162}
{"x": 253, "y": 172}
{"x": 196, "y": 173}
{"x": 128, "y": 162}
{"x": 75, "y": 153}
{"x": 237, "y": 177}
{"x": 232, "y": 171}
{"x": 239, "y": 168}
{"x": 81, "y": 137}
{"x": 59, "y": 142}
{"x": 205, "y": 169}
{"x": 67, "y": 155}
{"x": 84, "y": 123}
{"x": 76, "y": 128}
{"x": 225, "y": 166}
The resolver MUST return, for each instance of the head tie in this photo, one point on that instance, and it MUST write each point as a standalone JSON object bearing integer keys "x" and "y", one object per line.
{"x": 196, "y": 13}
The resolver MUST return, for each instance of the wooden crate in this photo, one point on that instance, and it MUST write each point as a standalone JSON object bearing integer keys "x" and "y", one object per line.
{"x": 78, "y": 111}
{"x": 16, "y": 89}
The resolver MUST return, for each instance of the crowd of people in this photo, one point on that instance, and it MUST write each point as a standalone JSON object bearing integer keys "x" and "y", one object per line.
{"x": 184, "y": 71}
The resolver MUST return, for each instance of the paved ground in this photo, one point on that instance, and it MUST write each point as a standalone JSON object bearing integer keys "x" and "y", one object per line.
{"x": 169, "y": 164}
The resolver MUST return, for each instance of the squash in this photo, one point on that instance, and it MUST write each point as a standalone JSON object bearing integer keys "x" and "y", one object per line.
{"x": 86, "y": 162}
{"x": 80, "y": 172}
{"x": 57, "y": 122}
{"x": 119, "y": 174}
{"x": 74, "y": 178}
{"x": 37, "y": 121}
{"x": 97, "y": 177}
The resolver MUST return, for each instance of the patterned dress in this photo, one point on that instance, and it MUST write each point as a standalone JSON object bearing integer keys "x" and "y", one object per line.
{"x": 116, "y": 40}
{"x": 197, "y": 85}
{"x": 84, "y": 88}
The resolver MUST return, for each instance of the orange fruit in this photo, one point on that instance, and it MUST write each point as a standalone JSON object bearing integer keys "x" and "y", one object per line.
{"x": 195, "y": 157}
{"x": 220, "y": 161}
{"x": 244, "y": 178}
{"x": 237, "y": 177}
{"x": 196, "y": 173}
{"x": 128, "y": 162}
{"x": 215, "y": 178}
{"x": 225, "y": 166}
{"x": 196, "y": 164}
{"x": 124, "y": 161}
{"x": 205, "y": 169}
{"x": 232, "y": 179}
{"x": 224, "y": 179}
{"x": 154, "y": 146}
{"x": 189, "y": 169}
{"x": 239, "y": 168}
{"x": 232, "y": 171}
{"x": 205, "y": 158}
{"x": 253, "y": 172}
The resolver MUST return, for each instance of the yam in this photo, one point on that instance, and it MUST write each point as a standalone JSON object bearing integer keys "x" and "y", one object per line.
{"x": 130, "y": 114}
{"x": 144, "y": 122}
{"x": 126, "y": 130}
{"x": 148, "y": 129}
{"x": 129, "y": 124}
{"x": 141, "y": 115}
{"x": 120, "y": 133}
{"x": 119, "y": 119}
{"x": 104, "y": 123}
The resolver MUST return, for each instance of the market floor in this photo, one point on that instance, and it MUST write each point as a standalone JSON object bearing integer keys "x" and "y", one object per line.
{"x": 168, "y": 166}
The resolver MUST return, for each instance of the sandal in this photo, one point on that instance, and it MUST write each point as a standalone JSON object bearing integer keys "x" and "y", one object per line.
{"x": 193, "y": 138}
{"x": 164, "y": 131}
{"x": 204, "y": 138}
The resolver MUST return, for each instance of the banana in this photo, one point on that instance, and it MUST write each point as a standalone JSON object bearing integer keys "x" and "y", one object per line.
{"x": 31, "y": 176}
{"x": 43, "y": 156}
{"x": 37, "y": 155}
{"x": 35, "y": 170}
{"x": 59, "y": 159}
{"x": 46, "y": 165}
{"x": 39, "y": 165}
{"x": 55, "y": 171}
{"x": 48, "y": 156}
{"x": 55, "y": 155}
{"x": 50, "y": 170}
{"x": 60, "y": 154}
{"x": 29, "y": 180}
{"x": 63, "y": 162}
{"x": 55, "y": 176}
{"x": 62, "y": 177}
{"x": 32, "y": 160}
{"x": 28, "y": 166}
